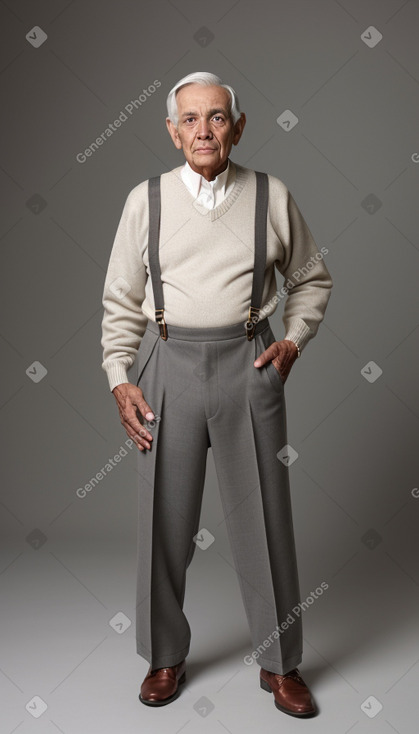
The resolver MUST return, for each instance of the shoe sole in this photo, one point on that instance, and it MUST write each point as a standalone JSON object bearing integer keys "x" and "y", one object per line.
{"x": 167, "y": 700}
{"x": 266, "y": 687}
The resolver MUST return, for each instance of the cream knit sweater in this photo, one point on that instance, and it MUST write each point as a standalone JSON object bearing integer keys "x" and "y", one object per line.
{"x": 206, "y": 261}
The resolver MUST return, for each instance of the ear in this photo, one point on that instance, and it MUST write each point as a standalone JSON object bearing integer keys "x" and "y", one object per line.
{"x": 238, "y": 128}
{"x": 173, "y": 133}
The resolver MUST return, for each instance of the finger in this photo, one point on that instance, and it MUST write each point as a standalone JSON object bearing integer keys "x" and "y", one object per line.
{"x": 127, "y": 406}
{"x": 132, "y": 425}
{"x": 133, "y": 397}
{"x": 267, "y": 356}
{"x": 137, "y": 428}
{"x": 129, "y": 416}
{"x": 140, "y": 438}
{"x": 144, "y": 409}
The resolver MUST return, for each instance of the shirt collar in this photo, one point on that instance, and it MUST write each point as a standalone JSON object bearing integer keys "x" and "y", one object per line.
{"x": 196, "y": 181}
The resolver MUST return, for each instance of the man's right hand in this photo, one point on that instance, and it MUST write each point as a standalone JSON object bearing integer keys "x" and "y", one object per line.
{"x": 129, "y": 399}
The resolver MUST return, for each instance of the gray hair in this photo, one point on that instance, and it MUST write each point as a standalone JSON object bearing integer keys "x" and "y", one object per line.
{"x": 205, "y": 78}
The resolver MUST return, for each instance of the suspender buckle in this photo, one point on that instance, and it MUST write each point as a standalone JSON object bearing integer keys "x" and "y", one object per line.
{"x": 252, "y": 318}
{"x": 159, "y": 312}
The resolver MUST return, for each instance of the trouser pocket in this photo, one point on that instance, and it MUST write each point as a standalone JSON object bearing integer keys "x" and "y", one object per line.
{"x": 146, "y": 348}
{"x": 263, "y": 341}
{"x": 274, "y": 376}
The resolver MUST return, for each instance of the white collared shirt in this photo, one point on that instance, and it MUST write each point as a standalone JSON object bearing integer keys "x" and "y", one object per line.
{"x": 208, "y": 193}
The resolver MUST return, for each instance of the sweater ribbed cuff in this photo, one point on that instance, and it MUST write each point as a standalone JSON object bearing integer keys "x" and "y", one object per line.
{"x": 116, "y": 373}
{"x": 298, "y": 332}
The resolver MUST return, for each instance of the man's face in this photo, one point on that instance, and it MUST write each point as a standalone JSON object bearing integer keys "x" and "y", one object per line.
{"x": 205, "y": 130}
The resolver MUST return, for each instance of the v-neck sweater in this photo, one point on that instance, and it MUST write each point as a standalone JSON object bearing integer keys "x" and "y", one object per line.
{"x": 206, "y": 261}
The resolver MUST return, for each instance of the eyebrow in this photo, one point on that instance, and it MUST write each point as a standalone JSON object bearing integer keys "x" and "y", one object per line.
{"x": 211, "y": 112}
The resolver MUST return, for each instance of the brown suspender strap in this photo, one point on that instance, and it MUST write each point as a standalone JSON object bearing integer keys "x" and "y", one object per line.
{"x": 261, "y": 210}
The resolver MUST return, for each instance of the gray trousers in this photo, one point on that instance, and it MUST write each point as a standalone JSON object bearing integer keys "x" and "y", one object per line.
{"x": 205, "y": 391}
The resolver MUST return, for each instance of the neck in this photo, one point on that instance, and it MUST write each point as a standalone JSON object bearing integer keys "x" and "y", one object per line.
{"x": 209, "y": 173}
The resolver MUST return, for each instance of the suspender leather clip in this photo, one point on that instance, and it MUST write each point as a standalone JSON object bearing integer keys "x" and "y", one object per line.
{"x": 252, "y": 319}
{"x": 159, "y": 312}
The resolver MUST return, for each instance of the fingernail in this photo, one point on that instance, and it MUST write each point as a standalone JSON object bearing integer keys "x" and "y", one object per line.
{"x": 149, "y": 416}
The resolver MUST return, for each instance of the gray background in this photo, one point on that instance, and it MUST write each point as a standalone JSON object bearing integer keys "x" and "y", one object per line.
{"x": 68, "y": 564}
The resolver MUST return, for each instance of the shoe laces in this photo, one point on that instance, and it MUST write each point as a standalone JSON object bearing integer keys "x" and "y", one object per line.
{"x": 294, "y": 674}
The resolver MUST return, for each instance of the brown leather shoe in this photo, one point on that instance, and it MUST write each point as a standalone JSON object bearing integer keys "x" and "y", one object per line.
{"x": 161, "y": 685}
{"x": 290, "y": 692}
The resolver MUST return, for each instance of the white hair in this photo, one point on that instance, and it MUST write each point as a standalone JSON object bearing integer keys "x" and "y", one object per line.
{"x": 205, "y": 79}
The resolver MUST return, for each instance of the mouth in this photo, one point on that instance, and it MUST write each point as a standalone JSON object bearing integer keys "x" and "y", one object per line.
{"x": 205, "y": 150}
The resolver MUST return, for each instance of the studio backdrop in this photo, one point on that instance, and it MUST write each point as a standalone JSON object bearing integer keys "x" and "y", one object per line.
{"x": 330, "y": 91}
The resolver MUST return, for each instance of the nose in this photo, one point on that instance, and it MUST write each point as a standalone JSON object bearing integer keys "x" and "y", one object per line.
{"x": 204, "y": 130}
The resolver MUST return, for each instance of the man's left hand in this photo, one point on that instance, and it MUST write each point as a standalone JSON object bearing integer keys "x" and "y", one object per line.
{"x": 282, "y": 355}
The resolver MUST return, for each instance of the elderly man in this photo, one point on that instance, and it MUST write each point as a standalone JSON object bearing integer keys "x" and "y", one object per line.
{"x": 190, "y": 286}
